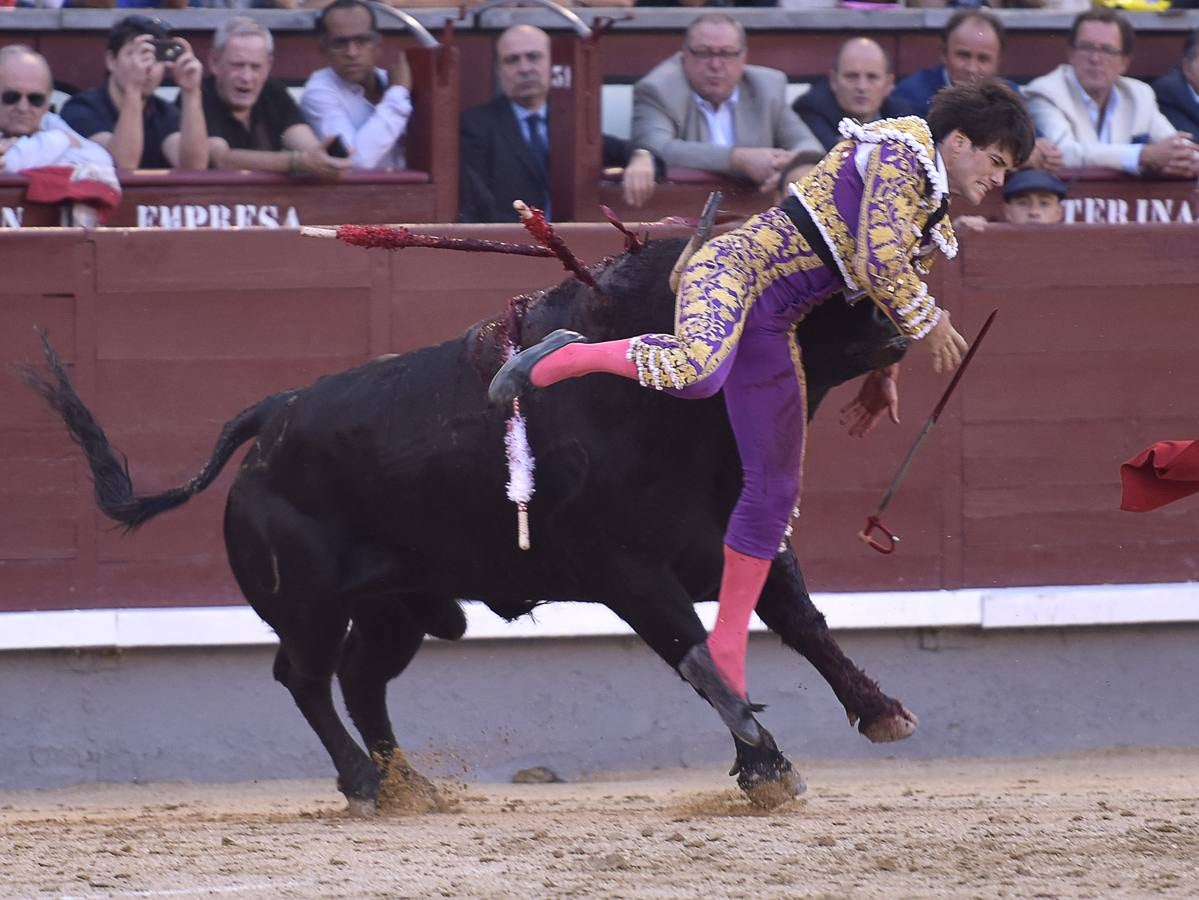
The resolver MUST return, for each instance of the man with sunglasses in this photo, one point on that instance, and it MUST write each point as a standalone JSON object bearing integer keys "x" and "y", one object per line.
{"x": 704, "y": 108}
{"x": 140, "y": 129}
{"x": 30, "y": 134}
{"x": 353, "y": 98}
{"x": 1099, "y": 117}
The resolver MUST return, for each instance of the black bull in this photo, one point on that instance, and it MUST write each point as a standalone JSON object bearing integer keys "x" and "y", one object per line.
{"x": 371, "y": 501}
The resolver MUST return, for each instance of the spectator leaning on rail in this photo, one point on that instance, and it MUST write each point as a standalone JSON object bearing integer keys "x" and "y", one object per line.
{"x": 1100, "y": 118}
{"x": 139, "y": 128}
{"x": 1030, "y": 197}
{"x": 1178, "y": 90}
{"x": 366, "y": 106}
{"x": 252, "y": 121}
{"x": 704, "y": 108}
{"x": 31, "y": 135}
{"x": 858, "y": 87}
{"x": 63, "y": 167}
{"x": 971, "y": 44}
{"x": 505, "y": 152}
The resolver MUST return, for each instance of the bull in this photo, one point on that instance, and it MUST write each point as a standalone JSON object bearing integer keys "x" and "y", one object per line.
{"x": 371, "y": 501}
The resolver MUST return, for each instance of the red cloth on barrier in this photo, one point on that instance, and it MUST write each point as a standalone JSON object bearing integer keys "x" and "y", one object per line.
{"x": 56, "y": 184}
{"x": 1161, "y": 474}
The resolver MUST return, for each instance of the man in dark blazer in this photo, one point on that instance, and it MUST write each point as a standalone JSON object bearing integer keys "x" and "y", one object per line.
{"x": 1178, "y": 90}
{"x": 858, "y": 87}
{"x": 504, "y": 152}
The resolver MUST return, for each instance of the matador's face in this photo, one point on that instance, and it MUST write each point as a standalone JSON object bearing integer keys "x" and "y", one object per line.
{"x": 974, "y": 170}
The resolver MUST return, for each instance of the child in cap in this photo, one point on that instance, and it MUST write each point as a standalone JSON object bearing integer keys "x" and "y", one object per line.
{"x": 1033, "y": 197}
{"x": 1030, "y": 197}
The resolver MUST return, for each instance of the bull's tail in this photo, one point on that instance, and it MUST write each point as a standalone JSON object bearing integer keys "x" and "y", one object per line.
{"x": 110, "y": 474}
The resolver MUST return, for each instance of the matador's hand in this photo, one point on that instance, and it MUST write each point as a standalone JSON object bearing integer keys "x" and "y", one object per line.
{"x": 879, "y": 394}
{"x": 945, "y": 344}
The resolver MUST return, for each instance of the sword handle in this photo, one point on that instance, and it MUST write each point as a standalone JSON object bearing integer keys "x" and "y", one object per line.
{"x": 874, "y": 523}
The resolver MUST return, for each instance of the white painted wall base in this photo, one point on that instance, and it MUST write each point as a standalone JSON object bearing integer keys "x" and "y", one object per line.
{"x": 1055, "y": 606}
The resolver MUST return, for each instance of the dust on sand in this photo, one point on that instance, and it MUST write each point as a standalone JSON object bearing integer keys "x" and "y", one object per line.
{"x": 1116, "y": 823}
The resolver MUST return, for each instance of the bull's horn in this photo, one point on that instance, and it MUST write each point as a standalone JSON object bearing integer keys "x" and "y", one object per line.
{"x": 703, "y": 230}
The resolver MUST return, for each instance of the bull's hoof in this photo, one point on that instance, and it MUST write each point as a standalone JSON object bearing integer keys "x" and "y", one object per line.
{"x": 771, "y": 792}
{"x": 700, "y": 672}
{"x": 361, "y": 809}
{"x": 513, "y": 378}
{"x": 892, "y": 727}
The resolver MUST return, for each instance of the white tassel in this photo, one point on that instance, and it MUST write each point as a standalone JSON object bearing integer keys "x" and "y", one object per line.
{"x": 520, "y": 468}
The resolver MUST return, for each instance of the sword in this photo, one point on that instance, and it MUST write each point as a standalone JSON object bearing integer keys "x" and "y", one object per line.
{"x": 874, "y": 521}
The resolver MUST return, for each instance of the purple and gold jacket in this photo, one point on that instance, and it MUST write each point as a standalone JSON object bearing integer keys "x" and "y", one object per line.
{"x": 871, "y": 198}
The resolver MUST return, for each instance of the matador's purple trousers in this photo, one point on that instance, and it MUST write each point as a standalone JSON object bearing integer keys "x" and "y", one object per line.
{"x": 739, "y": 300}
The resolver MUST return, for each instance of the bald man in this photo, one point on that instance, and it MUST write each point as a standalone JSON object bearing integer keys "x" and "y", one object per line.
{"x": 858, "y": 87}
{"x": 504, "y": 153}
{"x": 31, "y": 135}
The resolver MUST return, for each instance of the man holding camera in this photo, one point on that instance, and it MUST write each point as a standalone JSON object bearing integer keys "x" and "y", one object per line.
{"x": 368, "y": 107}
{"x": 139, "y": 128}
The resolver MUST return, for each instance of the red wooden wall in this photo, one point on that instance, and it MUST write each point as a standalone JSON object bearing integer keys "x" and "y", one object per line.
{"x": 170, "y": 334}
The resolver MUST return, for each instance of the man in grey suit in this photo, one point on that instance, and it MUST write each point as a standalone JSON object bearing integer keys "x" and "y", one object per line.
{"x": 704, "y": 108}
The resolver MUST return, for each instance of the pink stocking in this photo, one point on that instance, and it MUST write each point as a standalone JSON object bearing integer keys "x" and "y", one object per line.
{"x": 740, "y": 585}
{"x": 583, "y": 359}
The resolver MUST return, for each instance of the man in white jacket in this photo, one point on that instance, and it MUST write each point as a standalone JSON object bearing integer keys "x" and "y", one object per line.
{"x": 1100, "y": 118}
{"x": 31, "y": 135}
{"x": 366, "y": 106}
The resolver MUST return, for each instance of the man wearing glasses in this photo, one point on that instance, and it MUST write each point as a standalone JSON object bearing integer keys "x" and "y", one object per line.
{"x": 704, "y": 108}
{"x": 1100, "y": 118}
{"x": 31, "y": 135}
{"x": 354, "y": 99}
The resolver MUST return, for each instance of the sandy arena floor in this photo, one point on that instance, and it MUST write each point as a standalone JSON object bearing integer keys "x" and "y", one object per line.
{"x": 1089, "y": 825}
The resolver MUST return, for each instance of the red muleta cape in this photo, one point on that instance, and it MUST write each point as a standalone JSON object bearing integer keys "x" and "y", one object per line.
{"x": 1161, "y": 474}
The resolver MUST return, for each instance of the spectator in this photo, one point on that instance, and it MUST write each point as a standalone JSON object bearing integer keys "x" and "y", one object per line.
{"x": 971, "y": 43}
{"x": 504, "y": 154}
{"x": 796, "y": 168}
{"x": 30, "y": 135}
{"x": 1100, "y": 118}
{"x": 366, "y": 106}
{"x": 970, "y": 46}
{"x": 1178, "y": 90}
{"x": 1030, "y": 197}
{"x": 124, "y": 115}
{"x": 252, "y": 121}
{"x": 858, "y": 87}
{"x": 706, "y": 109}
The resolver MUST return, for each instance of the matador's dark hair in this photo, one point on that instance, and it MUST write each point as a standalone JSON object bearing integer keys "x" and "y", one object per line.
{"x": 987, "y": 113}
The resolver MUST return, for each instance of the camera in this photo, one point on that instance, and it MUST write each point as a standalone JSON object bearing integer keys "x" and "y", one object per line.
{"x": 167, "y": 49}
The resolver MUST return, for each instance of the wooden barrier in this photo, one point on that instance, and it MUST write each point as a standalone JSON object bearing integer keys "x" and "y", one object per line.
{"x": 170, "y": 334}
{"x": 238, "y": 199}
{"x": 245, "y": 199}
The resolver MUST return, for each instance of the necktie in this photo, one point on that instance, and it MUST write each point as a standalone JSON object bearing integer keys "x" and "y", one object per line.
{"x": 537, "y": 144}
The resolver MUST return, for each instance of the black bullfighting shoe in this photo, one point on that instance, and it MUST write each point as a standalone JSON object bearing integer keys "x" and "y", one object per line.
{"x": 512, "y": 379}
{"x": 700, "y": 672}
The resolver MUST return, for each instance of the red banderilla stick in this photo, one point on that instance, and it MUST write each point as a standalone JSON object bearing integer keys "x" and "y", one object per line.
{"x": 874, "y": 521}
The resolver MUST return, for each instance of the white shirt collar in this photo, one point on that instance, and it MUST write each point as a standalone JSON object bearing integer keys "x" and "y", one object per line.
{"x": 728, "y": 104}
{"x": 1113, "y": 100}
{"x": 523, "y": 112}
